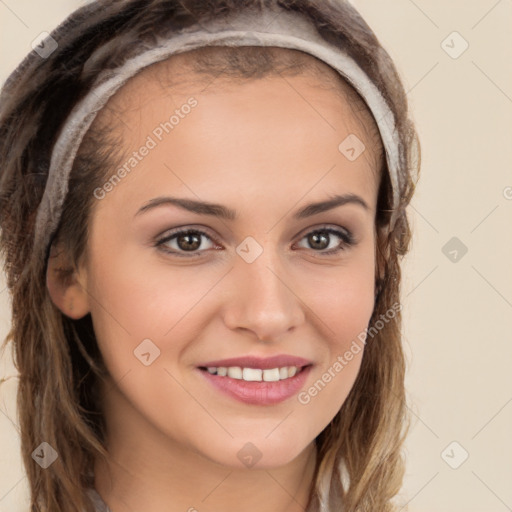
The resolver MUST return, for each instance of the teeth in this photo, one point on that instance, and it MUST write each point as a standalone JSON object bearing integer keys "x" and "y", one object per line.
{"x": 255, "y": 374}
{"x": 235, "y": 372}
{"x": 271, "y": 375}
{"x": 252, "y": 374}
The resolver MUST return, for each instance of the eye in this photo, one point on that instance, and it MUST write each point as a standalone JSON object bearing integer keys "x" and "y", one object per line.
{"x": 182, "y": 241}
{"x": 325, "y": 238}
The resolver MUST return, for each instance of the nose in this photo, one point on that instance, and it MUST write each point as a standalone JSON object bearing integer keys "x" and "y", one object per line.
{"x": 264, "y": 298}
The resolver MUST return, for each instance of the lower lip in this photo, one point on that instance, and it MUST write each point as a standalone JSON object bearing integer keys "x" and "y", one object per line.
{"x": 259, "y": 392}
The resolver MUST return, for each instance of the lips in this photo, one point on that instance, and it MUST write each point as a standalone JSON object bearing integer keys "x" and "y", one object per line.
{"x": 228, "y": 376}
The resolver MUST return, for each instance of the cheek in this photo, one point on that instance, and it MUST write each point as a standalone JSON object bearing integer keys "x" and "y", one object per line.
{"x": 345, "y": 317}
{"x": 134, "y": 299}
{"x": 344, "y": 304}
{"x": 342, "y": 308}
{"x": 342, "y": 299}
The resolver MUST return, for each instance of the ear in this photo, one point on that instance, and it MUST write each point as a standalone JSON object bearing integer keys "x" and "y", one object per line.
{"x": 381, "y": 255}
{"x": 67, "y": 286}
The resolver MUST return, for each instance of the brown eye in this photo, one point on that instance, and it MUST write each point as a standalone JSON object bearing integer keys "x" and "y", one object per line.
{"x": 318, "y": 240}
{"x": 325, "y": 238}
{"x": 185, "y": 241}
{"x": 189, "y": 241}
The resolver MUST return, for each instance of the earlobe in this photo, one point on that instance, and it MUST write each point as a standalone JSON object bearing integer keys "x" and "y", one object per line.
{"x": 67, "y": 286}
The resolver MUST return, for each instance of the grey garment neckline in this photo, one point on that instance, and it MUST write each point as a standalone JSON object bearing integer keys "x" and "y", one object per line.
{"x": 99, "y": 504}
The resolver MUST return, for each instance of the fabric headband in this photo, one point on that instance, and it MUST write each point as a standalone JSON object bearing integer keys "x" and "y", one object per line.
{"x": 279, "y": 28}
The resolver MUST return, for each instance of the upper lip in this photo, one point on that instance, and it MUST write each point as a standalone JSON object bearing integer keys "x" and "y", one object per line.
{"x": 265, "y": 363}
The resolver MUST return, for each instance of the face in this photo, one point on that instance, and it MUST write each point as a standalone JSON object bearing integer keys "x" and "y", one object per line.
{"x": 182, "y": 293}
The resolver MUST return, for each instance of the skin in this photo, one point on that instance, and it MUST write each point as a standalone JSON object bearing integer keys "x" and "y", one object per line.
{"x": 265, "y": 148}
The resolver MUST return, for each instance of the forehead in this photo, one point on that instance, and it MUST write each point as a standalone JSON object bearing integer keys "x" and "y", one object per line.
{"x": 288, "y": 82}
{"x": 209, "y": 69}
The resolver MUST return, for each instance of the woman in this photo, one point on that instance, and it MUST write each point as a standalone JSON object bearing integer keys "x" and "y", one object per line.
{"x": 202, "y": 211}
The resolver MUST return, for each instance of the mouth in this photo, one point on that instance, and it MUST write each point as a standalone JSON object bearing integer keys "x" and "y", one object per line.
{"x": 257, "y": 381}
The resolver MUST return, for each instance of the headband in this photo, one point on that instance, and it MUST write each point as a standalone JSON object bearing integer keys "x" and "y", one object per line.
{"x": 282, "y": 28}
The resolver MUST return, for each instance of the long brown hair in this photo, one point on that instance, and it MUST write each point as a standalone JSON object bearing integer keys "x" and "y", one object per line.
{"x": 360, "y": 465}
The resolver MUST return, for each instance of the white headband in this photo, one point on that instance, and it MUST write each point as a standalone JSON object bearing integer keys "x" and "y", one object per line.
{"x": 285, "y": 29}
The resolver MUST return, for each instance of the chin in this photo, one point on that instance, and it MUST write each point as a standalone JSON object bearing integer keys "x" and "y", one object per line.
{"x": 257, "y": 452}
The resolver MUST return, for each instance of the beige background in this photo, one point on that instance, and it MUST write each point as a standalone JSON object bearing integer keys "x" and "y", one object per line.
{"x": 457, "y": 315}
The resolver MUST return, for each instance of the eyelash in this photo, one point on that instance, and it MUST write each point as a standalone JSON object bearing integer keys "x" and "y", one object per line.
{"x": 346, "y": 237}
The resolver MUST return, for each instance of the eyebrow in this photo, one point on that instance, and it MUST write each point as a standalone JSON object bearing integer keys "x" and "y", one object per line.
{"x": 218, "y": 210}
